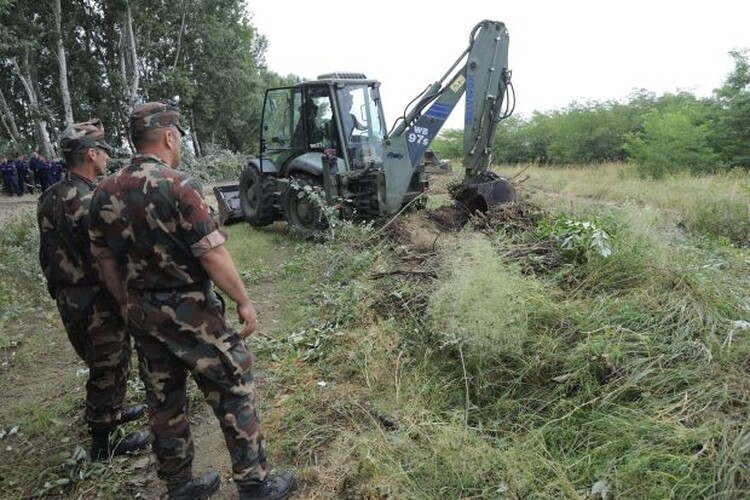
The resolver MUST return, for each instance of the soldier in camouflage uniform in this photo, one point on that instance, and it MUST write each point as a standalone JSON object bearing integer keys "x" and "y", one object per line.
{"x": 160, "y": 250}
{"x": 89, "y": 313}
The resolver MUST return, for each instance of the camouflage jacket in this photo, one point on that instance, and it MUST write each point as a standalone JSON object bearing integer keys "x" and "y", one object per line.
{"x": 156, "y": 223}
{"x": 64, "y": 247}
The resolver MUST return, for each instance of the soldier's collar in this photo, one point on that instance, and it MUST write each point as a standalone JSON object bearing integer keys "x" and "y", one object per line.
{"x": 149, "y": 157}
{"x": 72, "y": 174}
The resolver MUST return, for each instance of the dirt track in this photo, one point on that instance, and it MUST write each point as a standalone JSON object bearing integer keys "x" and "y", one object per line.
{"x": 12, "y": 207}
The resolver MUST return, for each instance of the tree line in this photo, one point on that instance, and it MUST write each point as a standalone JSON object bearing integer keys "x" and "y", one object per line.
{"x": 69, "y": 61}
{"x": 660, "y": 134}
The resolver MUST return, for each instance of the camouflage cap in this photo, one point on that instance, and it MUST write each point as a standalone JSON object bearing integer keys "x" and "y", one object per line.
{"x": 84, "y": 135}
{"x": 154, "y": 115}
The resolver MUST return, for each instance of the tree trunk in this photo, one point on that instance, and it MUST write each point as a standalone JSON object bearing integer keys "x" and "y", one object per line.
{"x": 133, "y": 56}
{"x": 179, "y": 38}
{"x": 62, "y": 61}
{"x": 8, "y": 121}
{"x": 39, "y": 122}
{"x": 194, "y": 137}
{"x": 121, "y": 51}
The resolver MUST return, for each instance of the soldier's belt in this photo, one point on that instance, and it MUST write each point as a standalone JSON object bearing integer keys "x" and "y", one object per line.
{"x": 200, "y": 286}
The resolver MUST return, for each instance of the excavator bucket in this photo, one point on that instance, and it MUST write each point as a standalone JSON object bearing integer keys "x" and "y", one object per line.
{"x": 228, "y": 200}
{"x": 484, "y": 190}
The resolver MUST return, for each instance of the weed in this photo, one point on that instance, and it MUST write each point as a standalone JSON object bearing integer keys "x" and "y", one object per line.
{"x": 252, "y": 276}
{"x": 577, "y": 239}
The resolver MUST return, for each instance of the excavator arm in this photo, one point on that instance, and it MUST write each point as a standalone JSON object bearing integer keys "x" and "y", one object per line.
{"x": 480, "y": 74}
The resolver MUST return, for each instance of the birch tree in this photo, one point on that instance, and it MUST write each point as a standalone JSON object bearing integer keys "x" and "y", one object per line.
{"x": 9, "y": 122}
{"x": 62, "y": 62}
{"x": 24, "y": 72}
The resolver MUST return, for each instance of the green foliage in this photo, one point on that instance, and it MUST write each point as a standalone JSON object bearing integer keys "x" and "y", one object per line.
{"x": 216, "y": 165}
{"x": 206, "y": 52}
{"x": 21, "y": 282}
{"x": 672, "y": 141}
{"x": 512, "y": 141}
{"x": 449, "y": 144}
{"x": 590, "y": 134}
{"x": 334, "y": 224}
{"x": 577, "y": 239}
{"x": 732, "y": 116}
{"x": 72, "y": 468}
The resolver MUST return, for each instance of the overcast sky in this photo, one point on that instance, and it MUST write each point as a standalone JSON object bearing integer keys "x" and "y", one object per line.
{"x": 560, "y": 51}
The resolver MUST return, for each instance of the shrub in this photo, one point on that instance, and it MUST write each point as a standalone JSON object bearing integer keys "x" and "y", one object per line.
{"x": 670, "y": 142}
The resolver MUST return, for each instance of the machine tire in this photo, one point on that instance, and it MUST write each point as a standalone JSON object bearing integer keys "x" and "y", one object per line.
{"x": 301, "y": 206}
{"x": 257, "y": 197}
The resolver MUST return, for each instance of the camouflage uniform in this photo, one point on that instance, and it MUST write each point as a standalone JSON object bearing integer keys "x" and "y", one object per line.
{"x": 154, "y": 220}
{"x": 89, "y": 313}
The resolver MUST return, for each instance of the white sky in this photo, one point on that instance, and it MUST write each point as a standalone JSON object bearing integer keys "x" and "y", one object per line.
{"x": 560, "y": 51}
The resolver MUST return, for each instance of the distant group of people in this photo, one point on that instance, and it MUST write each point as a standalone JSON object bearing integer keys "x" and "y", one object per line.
{"x": 29, "y": 175}
{"x": 138, "y": 255}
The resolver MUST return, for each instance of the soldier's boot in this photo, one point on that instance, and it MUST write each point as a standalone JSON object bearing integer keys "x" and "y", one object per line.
{"x": 197, "y": 488}
{"x": 272, "y": 488}
{"x": 103, "y": 446}
{"x": 130, "y": 413}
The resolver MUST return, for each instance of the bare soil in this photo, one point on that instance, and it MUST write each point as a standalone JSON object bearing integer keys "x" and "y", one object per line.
{"x": 12, "y": 207}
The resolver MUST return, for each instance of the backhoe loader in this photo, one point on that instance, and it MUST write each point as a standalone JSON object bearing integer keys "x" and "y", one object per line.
{"x": 328, "y": 138}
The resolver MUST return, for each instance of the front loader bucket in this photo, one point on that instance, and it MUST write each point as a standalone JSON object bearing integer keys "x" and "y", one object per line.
{"x": 485, "y": 190}
{"x": 228, "y": 199}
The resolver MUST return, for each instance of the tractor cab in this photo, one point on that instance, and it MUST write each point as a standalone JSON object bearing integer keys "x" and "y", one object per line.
{"x": 339, "y": 115}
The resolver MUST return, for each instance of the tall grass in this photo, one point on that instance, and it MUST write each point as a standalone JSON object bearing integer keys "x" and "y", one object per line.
{"x": 22, "y": 285}
{"x": 715, "y": 205}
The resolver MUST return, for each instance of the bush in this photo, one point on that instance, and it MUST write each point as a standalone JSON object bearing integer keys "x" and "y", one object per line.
{"x": 670, "y": 142}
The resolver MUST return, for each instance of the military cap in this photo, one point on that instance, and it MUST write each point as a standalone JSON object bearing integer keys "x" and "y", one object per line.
{"x": 154, "y": 115}
{"x": 84, "y": 135}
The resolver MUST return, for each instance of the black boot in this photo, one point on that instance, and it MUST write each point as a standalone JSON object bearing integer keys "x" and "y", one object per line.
{"x": 103, "y": 446}
{"x": 130, "y": 413}
{"x": 198, "y": 488}
{"x": 272, "y": 488}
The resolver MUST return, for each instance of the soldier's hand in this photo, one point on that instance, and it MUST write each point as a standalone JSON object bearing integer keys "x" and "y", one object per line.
{"x": 246, "y": 314}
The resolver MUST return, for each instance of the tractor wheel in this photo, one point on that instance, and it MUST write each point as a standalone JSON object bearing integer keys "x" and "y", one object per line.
{"x": 257, "y": 197}
{"x": 303, "y": 204}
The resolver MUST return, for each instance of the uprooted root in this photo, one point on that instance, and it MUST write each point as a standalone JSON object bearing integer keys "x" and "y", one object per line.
{"x": 515, "y": 217}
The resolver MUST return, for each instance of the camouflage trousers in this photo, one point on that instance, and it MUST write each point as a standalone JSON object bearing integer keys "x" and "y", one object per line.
{"x": 97, "y": 332}
{"x": 177, "y": 333}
